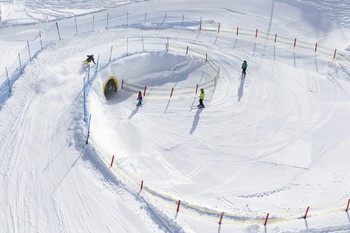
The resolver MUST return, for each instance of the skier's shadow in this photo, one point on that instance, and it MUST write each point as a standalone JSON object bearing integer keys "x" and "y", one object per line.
{"x": 241, "y": 87}
{"x": 196, "y": 120}
{"x": 134, "y": 112}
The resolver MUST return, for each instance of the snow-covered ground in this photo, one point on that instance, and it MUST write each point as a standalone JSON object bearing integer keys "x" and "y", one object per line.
{"x": 274, "y": 142}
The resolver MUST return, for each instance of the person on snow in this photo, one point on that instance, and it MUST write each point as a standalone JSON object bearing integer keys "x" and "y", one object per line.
{"x": 201, "y": 98}
{"x": 139, "y": 98}
{"x": 90, "y": 58}
{"x": 244, "y": 68}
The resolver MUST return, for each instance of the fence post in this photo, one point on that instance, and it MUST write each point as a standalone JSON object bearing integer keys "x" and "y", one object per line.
{"x": 141, "y": 186}
{"x": 164, "y": 18}
{"x": 200, "y": 24}
{"x": 93, "y": 22}
{"x": 335, "y": 53}
{"x": 20, "y": 63}
{"x": 107, "y": 21}
{"x": 219, "y": 28}
{"x": 178, "y": 205}
{"x": 30, "y": 56}
{"x": 347, "y": 207}
{"x": 127, "y": 18}
{"x": 112, "y": 161}
{"x": 237, "y": 30}
{"x": 110, "y": 54}
{"x": 122, "y": 84}
{"x": 143, "y": 45}
{"x": 127, "y": 46}
{"x": 76, "y": 26}
{"x": 183, "y": 19}
{"x": 256, "y": 33}
{"x": 167, "y": 44}
{"x": 145, "y": 16}
{"x": 206, "y": 57}
{"x": 144, "y": 91}
{"x": 196, "y": 88}
{"x": 87, "y": 139}
{"x": 186, "y": 50}
{"x": 221, "y": 217}
{"x": 315, "y": 47}
{"x": 171, "y": 93}
{"x": 295, "y": 42}
{"x": 8, "y": 80}
{"x": 41, "y": 42}
{"x": 307, "y": 210}
{"x": 58, "y": 31}
{"x": 275, "y": 37}
{"x": 267, "y": 217}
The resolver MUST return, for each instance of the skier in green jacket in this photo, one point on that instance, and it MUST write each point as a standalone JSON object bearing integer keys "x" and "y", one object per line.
{"x": 244, "y": 68}
{"x": 201, "y": 98}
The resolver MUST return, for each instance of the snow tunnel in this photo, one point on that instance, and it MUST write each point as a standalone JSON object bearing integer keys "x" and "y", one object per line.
{"x": 110, "y": 86}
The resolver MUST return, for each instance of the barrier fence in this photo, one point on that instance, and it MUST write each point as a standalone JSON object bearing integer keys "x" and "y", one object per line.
{"x": 41, "y": 41}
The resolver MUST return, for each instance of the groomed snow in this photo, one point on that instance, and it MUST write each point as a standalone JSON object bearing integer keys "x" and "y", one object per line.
{"x": 274, "y": 142}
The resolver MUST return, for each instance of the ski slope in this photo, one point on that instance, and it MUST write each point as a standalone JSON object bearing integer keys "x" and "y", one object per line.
{"x": 275, "y": 142}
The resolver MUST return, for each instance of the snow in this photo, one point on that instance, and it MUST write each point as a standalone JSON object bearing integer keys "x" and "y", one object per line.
{"x": 273, "y": 142}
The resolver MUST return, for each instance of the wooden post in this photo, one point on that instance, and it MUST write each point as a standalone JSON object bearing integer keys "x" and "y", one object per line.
{"x": 20, "y": 63}
{"x": 122, "y": 84}
{"x": 143, "y": 46}
{"x": 178, "y": 205}
{"x": 93, "y": 22}
{"x": 58, "y": 31}
{"x": 171, "y": 93}
{"x": 112, "y": 161}
{"x": 307, "y": 210}
{"x": 200, "y": 24}
{"x": 267, "y": 217}
{"x": 256, "y": 33}
{"x": 275, "y": 37}
{"x": 206, "y": 57}
{"x": 167, "y": 44}
{"x": 315, "y": 47}
{"x": 144, "y": 91}
{"x": 295, "y": 42}
{"x": 76, "y": 26}
{"x": 221, "y": 217}
{"x": 186, "y": 50}
{"x": 141, "y": 186}
{"x": 237, "y": 30}
{"x": 196, "y": 88}
{"x": 335, "y": 53}
{"x": 145, "y": 16}
{"x": 183, "y": 20}
{"x": 219, "y": 28}
{"x": 41, "y": 42}
{"x": 30, "y": 56}
{"x": 347, "y": 207}
{"x": 107, "y": 21}
{"x": 8, "y": 80}
{"x": 164, "y": 18}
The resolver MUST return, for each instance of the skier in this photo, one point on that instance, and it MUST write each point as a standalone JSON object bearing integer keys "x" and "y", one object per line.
{"x": 90, "y": 58}
{"x": 139, "y": 98}
{"x": 244, "y": 68}
{"x": 201, "y": 98}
